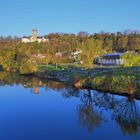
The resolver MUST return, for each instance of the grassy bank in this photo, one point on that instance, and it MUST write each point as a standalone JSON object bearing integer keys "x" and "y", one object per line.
{"x": 117, "y": 80}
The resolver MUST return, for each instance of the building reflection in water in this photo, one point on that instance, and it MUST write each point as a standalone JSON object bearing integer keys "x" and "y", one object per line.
{"x": 36, "y": 90}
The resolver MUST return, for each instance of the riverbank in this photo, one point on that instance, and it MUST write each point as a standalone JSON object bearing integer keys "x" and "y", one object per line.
{"x": 117, "y": 80}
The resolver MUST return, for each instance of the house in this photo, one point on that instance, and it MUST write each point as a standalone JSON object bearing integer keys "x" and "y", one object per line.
{"x": 34, "y": 38}
{"x": 58, "y": 54}
{"x": 111, "y": 59}
{"x": 76, "y": 52}
{"x": 75, "y": 55}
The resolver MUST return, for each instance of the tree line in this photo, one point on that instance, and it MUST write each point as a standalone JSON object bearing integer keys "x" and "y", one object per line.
{"x": 14, "y": 53}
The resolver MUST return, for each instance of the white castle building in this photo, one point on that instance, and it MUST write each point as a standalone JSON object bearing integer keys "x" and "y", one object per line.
{"x": 34, "y": 38}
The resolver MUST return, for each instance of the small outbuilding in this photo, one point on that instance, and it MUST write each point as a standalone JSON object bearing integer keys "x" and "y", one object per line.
{"x": 111, "y": 59}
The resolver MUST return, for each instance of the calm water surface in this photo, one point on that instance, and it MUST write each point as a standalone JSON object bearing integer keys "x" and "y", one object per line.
{"x": 62, "y": 113}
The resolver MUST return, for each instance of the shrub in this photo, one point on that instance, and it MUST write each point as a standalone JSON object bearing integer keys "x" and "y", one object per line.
{"x": 28, "y": 68}
{"x": 131, "y": 60}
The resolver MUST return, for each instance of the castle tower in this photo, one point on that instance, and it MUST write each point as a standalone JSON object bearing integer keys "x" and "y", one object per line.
{"x": 34, "y": 35}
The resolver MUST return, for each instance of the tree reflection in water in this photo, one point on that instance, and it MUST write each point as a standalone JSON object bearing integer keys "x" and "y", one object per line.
{"x": 88, "y": 116}
{"x": 124, "y": 110}
{"x": 104, "y": 101}
{"x": 127, "y": 115}
{"x": 70, "y": 92}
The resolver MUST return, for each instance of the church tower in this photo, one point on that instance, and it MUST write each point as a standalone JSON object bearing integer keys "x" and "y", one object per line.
{"x": 34, "y": 35}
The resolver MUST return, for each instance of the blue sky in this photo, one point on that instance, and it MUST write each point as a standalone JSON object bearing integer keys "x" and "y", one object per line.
{"x": 19, "y": 17}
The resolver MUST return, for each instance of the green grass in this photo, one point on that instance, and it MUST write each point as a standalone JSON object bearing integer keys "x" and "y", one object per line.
{"x": 50, "y": 67}
{"x": 134, "y": 71}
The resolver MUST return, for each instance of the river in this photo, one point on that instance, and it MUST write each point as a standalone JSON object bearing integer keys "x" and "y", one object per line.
{"x": 53, "y": 111}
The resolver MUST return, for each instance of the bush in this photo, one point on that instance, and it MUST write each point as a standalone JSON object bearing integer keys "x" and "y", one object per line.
{"x": 28, "y": 68}
{"x": 131, "y": 60}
